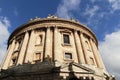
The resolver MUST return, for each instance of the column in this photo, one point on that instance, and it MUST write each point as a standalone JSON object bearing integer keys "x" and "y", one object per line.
{"x": 79, "y": 48}
{"x": 97, "y": 55}
{"x": 5, "y": 57}
{"x": 94, "y": 53}
{"x": 30, "y": 48}
{"x": 23, "y": 49}
{"x": 47, "y": 43}
{"x": 57, "y": 48}
{"x": 84, "y": 49}
{"x": 9, "y": 54}
{"x": 55, "y": 44}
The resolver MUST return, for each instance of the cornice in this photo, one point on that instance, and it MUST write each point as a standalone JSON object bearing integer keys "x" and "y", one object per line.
{"x": 49, "y": 20}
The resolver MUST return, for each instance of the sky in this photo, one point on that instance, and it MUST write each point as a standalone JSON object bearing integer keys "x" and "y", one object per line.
{"x": 101, "y": 16}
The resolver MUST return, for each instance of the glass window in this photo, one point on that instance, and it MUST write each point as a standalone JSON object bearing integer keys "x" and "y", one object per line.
{"x": 68, "y": 56}
{"x": 66, "y": 39}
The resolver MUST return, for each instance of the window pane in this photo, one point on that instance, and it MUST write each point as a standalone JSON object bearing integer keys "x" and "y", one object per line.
{"x": 66, "y": 38}
{"x": 68, "y": 56}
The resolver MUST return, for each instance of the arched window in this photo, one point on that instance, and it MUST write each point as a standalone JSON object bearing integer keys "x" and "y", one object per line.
{"x": 87, "y": 45}
{"x": 14, "y": 58}
{"x": 16, "y": 45}
{"x": 20, "y": 44}
{"x": 92, "y": 61}
{"x": 38, "y": 39}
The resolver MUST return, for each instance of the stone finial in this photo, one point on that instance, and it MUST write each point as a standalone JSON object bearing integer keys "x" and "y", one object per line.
{"x": 31, "y": 19}
{"x": 55, "y": 16}
{"x": 52, "y": 16}
{"x": 36, "y": 17}
{"x": 72, "y": 19}
{"x": 49, "y": 16}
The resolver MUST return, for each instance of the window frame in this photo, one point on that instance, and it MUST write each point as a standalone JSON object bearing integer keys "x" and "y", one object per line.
{"x": 92, "y": 61}
{"x": 40, "y": 36}
{"x": 14, "y": 57}
{"x": 66, "y": 39}
{"x": 88, "y": 46}
{"x": 68, "y": 59}
{"x": 37, "y": 60}
{"x": 69, "y": 36}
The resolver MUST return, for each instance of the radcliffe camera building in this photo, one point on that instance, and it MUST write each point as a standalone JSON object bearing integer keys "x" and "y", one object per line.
{"x": 53, "y": 49}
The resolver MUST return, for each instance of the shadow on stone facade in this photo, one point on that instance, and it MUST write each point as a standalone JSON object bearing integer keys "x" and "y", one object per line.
{"x": 71, "y": 73}
{"x": 45, "y": 70}
{"x": 38, "y": 71}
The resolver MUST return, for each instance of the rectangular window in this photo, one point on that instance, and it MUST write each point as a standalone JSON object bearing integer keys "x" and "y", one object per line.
{"x": 37, "y": 56}
{"x": 68, "y": 56}
{"x": 66, "y": 39}
{"x": 91, "y": 60}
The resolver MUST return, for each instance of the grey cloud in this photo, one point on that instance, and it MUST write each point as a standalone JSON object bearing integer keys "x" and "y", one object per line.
{"x": 110, "y": 51}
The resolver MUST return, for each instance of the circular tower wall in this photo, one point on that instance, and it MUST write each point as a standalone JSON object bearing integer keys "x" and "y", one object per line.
{"x": 54, "y": 40}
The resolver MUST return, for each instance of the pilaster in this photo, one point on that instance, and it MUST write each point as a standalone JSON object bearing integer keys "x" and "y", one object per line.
{"x": 79, "y": 48}
{"x": 9, "y": 54}
{"x": 47, "y": 43}
{"x": 57, "y": 48}
{"x": 30, "y": 48}
{"x": 23, "y": 49}
{"x": 97, "y": 54}
{"x": 84, "y": 49}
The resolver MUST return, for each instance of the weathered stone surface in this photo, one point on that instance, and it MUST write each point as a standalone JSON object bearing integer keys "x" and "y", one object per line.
{"x": 53, "y": 49}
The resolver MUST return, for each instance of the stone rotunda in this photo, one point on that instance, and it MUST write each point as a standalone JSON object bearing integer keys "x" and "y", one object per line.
{"x": 53, "y": 49}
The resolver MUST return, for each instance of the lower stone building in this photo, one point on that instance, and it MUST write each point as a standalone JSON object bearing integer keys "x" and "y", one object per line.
{"x": 53, "y": 49}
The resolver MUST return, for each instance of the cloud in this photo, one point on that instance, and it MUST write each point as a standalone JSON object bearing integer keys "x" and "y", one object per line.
{"x": 66, "y": 7}
{"x": 92, "y": 1}
{"x": 93, "y": 16}
{"x": 91, "y": 11}
{"x": 4, "y": 34}
{"x": 110, "y": 49}
{"x": 115, "y": 4}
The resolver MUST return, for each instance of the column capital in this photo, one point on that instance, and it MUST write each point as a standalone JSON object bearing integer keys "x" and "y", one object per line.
{"x": 75, "y": 30}
{"x": 81, "y": 32}
{"x": 26, "y": 31}
{"x": 14, "y": 37}
{"x": 47, "y": 27}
